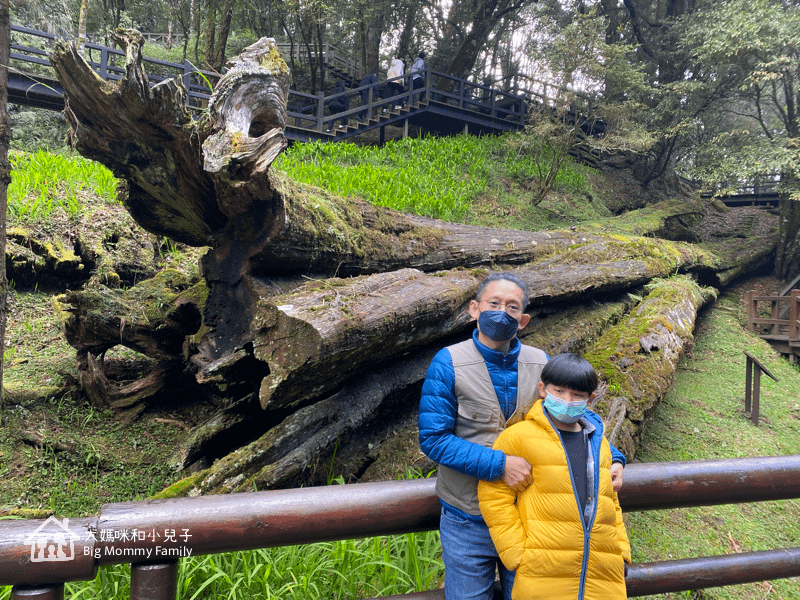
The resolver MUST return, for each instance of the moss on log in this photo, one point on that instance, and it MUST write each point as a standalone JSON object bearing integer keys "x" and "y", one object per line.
{"x": 638, "y": 357}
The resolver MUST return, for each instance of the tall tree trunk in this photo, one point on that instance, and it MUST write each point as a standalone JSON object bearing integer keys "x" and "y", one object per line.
{"x": 468, "y": 28}
{"x": 5, "y": 177}
{"x": 372, "y": 42}
{"x": 210, "y": 35}
{"x": 403, "y": 49}
{"x": 222, "y": 38}
{"x": 787, "y": 254}
{"x": 84, "y": 9}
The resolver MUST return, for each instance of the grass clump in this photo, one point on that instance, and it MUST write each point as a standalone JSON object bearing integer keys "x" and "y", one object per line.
{"x": 437, "y": 177}
{"x": 42, "y": 182}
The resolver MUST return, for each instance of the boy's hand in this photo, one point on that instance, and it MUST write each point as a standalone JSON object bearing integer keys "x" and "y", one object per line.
{"x": 517, "y": 474}
{"x": 616, "y": 476}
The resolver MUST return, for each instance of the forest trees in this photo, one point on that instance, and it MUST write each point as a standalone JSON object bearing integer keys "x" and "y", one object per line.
{"x": 755, "y": 127}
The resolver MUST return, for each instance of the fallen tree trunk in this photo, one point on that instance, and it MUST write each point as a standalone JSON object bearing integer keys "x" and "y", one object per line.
{"x": 360, "y": 324}
{"x": 555, "y": 329}
{"x": 296, "y": 343}
{"x": 638, "y": 357}
{"x": 302, "y": 450}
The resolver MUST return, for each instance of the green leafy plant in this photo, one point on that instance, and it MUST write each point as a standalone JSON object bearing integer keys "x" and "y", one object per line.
{"x": 42, "y": 182}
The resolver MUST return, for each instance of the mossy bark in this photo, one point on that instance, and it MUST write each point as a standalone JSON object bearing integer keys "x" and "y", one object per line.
{"x": 638, "y": 357}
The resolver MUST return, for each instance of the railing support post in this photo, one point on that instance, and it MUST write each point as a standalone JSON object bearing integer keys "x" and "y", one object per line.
{"x": 753, "y": 386}
{"x": 154, "y": 581}
{"x": 26, "y": 592}
{"x": 320, "y": 110}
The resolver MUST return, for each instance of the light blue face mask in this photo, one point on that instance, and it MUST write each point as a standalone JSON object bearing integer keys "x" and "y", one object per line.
{"x": 566, "y": 412}
{"x": 498, "y": 325}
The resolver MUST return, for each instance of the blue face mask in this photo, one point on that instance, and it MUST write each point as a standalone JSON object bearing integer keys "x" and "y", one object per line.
{"x": 566, "y": 412}
{"x": 498, "y": 325}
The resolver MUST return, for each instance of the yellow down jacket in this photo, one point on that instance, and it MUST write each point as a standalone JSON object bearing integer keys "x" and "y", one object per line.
{"x": 558, "y": 554}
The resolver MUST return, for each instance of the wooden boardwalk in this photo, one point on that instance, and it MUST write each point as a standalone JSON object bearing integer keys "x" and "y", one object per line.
{"x": 777, "y": 319}
{"x": 450, "y": 105}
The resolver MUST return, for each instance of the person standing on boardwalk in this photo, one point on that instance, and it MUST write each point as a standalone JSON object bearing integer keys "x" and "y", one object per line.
{"x": 396, "y": 87}
{"x": 338, "y": 105}
{"x": 418, "y": 76}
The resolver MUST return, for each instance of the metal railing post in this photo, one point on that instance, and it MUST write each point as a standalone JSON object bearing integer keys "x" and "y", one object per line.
{"x": 154, "y": 581}
{"x": 54, "y": 592}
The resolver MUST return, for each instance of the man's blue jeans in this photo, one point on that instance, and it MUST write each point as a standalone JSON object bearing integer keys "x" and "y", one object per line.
{"x": 470, "y": 560}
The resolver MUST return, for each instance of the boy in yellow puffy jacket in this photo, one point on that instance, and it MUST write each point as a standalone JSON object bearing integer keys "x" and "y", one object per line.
{"x": 564, "y": 534}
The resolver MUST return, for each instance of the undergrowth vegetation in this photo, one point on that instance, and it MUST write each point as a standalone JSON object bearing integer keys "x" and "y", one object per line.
{"x": 702, "y": 417}
{"x": 43, "y": 182}
{"x": 441, "y": 178}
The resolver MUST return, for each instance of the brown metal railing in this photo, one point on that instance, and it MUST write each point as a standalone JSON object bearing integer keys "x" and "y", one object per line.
{"x": 154, "y": 535}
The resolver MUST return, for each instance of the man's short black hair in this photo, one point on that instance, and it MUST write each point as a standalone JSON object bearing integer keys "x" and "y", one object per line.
{"x": 504, "y": 277}
{"x": 570, "y": 371}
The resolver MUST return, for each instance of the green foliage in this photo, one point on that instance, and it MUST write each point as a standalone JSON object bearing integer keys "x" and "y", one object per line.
{"x": 435, "y": 177}
{"x": 750, "y": 46}
{"x": 43, "y": 182}
{"x": 578, "y": 58}
{"x": 37, "y": 128}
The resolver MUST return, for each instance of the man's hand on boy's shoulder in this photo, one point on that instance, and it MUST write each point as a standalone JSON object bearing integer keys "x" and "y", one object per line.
{"x": 616, "y": 476}
{"x": 517, "y": 473}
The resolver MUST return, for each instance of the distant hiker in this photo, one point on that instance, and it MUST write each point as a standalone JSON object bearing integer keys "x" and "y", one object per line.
{"x": 397, "y": 69}
{"x": 418, "y": 75}
{"x": 338, "y": 105}
{"x": 369, "y": 82}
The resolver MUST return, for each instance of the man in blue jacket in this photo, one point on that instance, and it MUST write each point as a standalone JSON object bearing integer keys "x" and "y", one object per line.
{"x": 472, "y": 391}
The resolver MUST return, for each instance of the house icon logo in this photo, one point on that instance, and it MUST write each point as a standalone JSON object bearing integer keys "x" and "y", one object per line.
{"x": 52, "y": 541}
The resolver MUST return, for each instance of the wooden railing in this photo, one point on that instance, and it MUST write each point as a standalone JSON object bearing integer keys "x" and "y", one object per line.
{"x": 109, "y": 64}
{"x": 308, "y": 111}
{"x": 777, "y": 320}
{"x": 37, "y": 556}
{"x": 333, "y": 58}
